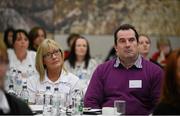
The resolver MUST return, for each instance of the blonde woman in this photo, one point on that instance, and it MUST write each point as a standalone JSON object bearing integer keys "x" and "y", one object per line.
{"x": 144, "y": 45}
{"x": 50, "y": 66}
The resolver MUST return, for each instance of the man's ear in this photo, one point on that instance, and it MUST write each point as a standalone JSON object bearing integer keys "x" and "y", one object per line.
{"x": 115, "y": 47}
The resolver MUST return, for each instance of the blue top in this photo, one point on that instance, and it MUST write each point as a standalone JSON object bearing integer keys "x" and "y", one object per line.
{"x": 139, "y": 86}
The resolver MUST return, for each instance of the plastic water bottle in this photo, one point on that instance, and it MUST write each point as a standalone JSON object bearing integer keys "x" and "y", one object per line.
{"x": 24, "y": 94}
{"x": 18, "y": 82}
{"x": 63, "y": 101}
{"x": 80, "y": 105}
{"x": 55, "y": 102}
{"x": 11, "y": 90}
{"x": 79, "y": 72}
{"x": 30, "y": 70}
{"x": 12, "y": 77}
{"x": 13, "y": 73}
{"x": 39, "y": 100}
{"x": 47, "y": 102}
{"x": 78, "y": 102}
{"x": 68, "y": 104}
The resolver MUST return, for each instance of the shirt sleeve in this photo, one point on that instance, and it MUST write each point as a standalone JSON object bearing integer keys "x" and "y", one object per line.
{"x": 94, "y": 94}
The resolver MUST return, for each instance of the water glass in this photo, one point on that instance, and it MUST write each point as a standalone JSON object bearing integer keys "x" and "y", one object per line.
{"x": 39, "y": 98}
{"x": 119, "y": 107}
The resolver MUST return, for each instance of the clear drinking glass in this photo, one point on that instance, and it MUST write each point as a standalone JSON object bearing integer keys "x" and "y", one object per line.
{"x": 119, "y": 107}
{"x": 39, "y": 100}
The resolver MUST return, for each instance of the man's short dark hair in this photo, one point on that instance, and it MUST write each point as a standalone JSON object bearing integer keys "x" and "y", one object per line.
{"x": 125, "y": 27}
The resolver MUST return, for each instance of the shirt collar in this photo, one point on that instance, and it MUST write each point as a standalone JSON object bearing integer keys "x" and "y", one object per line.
{"x": 62, "y": 78}
{"x": 4, "y": 103}
{"x": 138, "y": 62}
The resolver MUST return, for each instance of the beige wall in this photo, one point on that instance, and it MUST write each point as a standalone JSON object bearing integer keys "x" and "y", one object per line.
{"x": 100, "y": 45}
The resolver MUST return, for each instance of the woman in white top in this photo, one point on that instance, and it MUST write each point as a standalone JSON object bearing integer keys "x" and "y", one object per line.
{"x": 49, "y": 64}
{"x": 80, "y": 62}
{"x": 21, "y": 60}
{"x": 9, "y": 104}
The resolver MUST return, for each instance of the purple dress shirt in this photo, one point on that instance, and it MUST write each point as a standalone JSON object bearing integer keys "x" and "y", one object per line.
{"x": 139, "y": 86}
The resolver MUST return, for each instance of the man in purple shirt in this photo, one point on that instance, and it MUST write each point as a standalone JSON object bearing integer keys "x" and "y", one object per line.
{"x": 128, "y": 77}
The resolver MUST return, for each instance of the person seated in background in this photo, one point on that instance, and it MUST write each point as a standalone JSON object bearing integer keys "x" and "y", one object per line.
{"x": 21, "y": 61}
{"x": 170, "y": 95}
{"x": 111, "y": 54}
{"x": 164, "y": 49}
{"x": 70, "y": 41}
{"x": 50, "y": 66}
{"x": 127, "y": 77}
{"x": 36, "y": 36}
{"x": 144, "y": 45}
{"x": 80, "y": 62}
{"x": 8, "y": 37}
{"x": 9, "y": 104}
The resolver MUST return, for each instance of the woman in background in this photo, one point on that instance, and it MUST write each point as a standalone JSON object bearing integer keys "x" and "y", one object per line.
{"x": 111, "y": 54}
{"x": 8, "y": 37}
{"x": 9, "y": 105}
{"x": 50, "y": 66}
{"x": 36, "y": 36}
{"x": 164, "y": 49}
{"x": 21, "y": 60}
{"x": 70, "y": 41}
{"x": 80, "y": 62}
{"x": 170, "y": 96}
{"x": 144, "y": 46}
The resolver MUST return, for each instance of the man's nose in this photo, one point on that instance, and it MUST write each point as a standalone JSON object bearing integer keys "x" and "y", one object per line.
{"x": 127, "y": 43}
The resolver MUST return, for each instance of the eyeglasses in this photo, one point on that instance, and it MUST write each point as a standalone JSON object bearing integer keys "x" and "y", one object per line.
{"x": 49, "y": 55}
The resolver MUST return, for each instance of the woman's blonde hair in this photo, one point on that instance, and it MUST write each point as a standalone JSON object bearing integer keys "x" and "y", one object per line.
{"x": 42, "y": 50}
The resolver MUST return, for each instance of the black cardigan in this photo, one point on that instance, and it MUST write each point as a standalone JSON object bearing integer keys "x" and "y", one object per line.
{"x": 166, "y": 109}
{"x": 17, "y": 106}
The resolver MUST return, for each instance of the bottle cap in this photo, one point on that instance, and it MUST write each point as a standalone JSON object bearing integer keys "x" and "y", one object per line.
{"x": 24, "y": 87}
{"x": 11, "y": 86}
{"x": 56, "y": 89}
{"x": 48, "y": 87}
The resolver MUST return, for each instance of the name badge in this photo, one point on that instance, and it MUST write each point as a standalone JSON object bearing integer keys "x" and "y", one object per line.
{"x": 135, "y": 83}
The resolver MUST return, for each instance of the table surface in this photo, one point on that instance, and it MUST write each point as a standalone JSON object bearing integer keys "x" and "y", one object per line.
{"x": 37, "y": 110}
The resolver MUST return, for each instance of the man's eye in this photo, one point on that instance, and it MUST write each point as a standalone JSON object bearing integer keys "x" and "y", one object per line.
{"x": 121, "y": 40}
{"x": 131, "y": 39}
